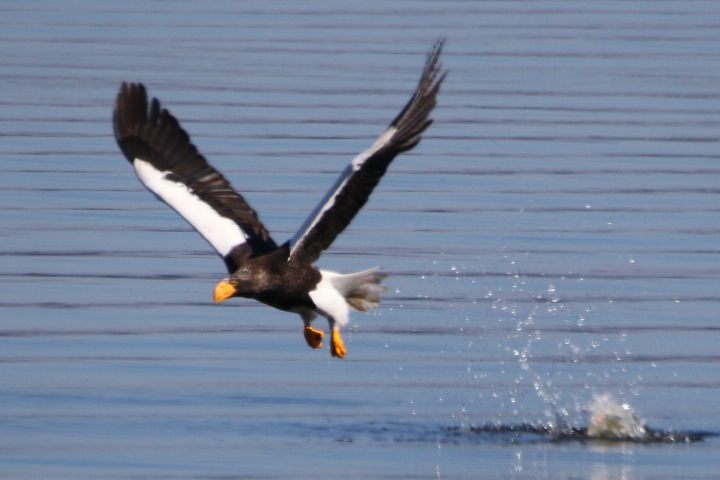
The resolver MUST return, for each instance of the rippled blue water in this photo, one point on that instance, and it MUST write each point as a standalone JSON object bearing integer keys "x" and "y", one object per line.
{"x": 554, "y": 237}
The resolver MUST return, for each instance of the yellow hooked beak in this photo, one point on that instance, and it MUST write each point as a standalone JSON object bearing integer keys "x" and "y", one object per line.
{"x": 223, "y": 291}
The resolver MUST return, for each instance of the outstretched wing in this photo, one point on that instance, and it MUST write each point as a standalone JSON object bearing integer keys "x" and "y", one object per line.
{"x": 172, "y": 168}
{"x": 354, "y": 186}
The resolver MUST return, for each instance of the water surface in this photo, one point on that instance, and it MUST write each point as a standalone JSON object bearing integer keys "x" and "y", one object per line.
{"x": 553, "y": 238}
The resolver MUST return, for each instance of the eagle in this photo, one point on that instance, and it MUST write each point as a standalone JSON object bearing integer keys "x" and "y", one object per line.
{"x": 281, "y": 276}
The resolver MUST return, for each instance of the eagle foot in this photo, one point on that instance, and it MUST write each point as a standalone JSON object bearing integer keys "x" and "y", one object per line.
{"x": 337, "y": 347}
{"x": 313, "y": 337}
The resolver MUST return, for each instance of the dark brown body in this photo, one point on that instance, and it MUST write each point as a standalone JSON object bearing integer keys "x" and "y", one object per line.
{"x": 271, "y": 279}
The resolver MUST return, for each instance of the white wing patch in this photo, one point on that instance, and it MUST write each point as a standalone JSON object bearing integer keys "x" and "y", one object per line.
{"x": 221, "y": 232}
{"x": 329, "y": 199}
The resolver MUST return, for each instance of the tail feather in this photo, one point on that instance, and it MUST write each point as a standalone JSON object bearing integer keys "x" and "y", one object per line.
{"x": 361, "y": 289}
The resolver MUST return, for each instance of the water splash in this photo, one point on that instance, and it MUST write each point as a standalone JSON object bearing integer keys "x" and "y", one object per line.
{"x": 557, "y": 417}
{"x": 608, "y": 421}
{"x": 612, "y": 420}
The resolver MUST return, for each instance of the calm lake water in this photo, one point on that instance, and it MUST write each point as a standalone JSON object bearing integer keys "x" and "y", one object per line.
{"x": 554, "y": 238}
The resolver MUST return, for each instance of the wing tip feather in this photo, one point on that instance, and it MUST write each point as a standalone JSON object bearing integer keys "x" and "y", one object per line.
{"x": 414, "y": 118}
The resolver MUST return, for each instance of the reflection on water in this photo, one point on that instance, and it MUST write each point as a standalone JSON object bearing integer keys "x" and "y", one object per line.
{"x": 532, "y": 434}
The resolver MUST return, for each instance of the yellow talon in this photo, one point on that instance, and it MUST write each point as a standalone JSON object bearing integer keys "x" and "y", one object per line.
{"x": 313, "y": 337}
{"x": 337, "y": 347}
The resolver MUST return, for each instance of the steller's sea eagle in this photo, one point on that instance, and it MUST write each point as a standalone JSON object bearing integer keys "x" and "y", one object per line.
{"x": 280, "y": 276}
